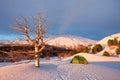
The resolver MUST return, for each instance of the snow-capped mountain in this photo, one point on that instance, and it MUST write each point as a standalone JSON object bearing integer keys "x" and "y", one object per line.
{"x": 68, "y": 41}
{"x": 59, "y": 41}
{"x": 5, "y": 42}
{"x": 20, "y": 41}
{"x": 13, "y": 42}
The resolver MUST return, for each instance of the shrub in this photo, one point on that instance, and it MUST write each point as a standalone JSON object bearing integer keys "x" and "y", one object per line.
{"x": 94, "y": 51}
{"x": 118, "y": 51}
{"x": 119, "y": 44}
{"x": 97, "y": 48}
{"x": 113, "y": 42}
{"x": 106, "y": 53}
{"x": 79, "y": 60}
{"x": 86, "y": 50}
{"x": 110, "y": 42}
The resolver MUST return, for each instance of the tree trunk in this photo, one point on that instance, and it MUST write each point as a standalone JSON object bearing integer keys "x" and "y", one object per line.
{"x": 37, "y": 56}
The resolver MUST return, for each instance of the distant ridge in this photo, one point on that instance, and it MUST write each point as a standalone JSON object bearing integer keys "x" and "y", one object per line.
{"x": 68, "y": 41}
{"x": 58, "y": 40}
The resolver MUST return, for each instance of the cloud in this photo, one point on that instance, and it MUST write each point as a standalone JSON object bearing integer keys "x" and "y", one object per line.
{"x": 73, "y": 11}
{"x": 78, "y": 17}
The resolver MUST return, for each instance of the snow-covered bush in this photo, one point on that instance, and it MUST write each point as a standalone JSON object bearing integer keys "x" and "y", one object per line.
{"x": 79, "y": 60}
{"x": 97, "y": 48}
{"x": 106, "y": 53}
{"x": 112, "y": 42}
{"x": 118, "y": 51}
{"x": 119, "y": 44}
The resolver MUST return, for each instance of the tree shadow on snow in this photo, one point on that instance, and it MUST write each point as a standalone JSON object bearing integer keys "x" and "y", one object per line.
{"x": 111, "y": 64}
{"x": 48, "y": 66}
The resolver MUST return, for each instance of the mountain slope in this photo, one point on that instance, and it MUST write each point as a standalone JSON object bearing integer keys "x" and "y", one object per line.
{"x": 68, "y": 41}
{"x": 59, "y": 41}
{"x": 104, "y": 40}
{"x": 110, "y": 49}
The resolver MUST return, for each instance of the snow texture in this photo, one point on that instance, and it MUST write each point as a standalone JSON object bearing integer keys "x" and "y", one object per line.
{"x": 99, "y": 68}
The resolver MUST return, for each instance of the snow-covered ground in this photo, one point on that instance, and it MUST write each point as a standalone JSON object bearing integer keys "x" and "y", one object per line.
{"x": 99, "y": 68}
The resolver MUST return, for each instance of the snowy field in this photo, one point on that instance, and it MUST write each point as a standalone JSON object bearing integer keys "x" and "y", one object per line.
{"x": 99, "y": 68}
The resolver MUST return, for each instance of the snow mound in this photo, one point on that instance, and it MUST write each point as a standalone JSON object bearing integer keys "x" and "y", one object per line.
{"x": 95, "y": 58}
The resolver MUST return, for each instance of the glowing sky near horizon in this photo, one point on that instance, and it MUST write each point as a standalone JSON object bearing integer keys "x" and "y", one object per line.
{"x": 92, "y": 19}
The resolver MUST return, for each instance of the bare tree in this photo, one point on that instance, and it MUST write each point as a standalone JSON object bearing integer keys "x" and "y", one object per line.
{"x": 38, "y": 30}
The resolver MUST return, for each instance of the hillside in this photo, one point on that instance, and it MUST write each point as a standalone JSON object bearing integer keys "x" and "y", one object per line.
{"x": 105, "y": 40}
{"x": 110, "y": 49}
{"x": 57, "y": 40}
{"x": 68, "y": 41}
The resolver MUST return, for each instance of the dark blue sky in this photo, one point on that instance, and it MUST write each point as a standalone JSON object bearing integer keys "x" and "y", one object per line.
{"x": 93, "y": 19}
